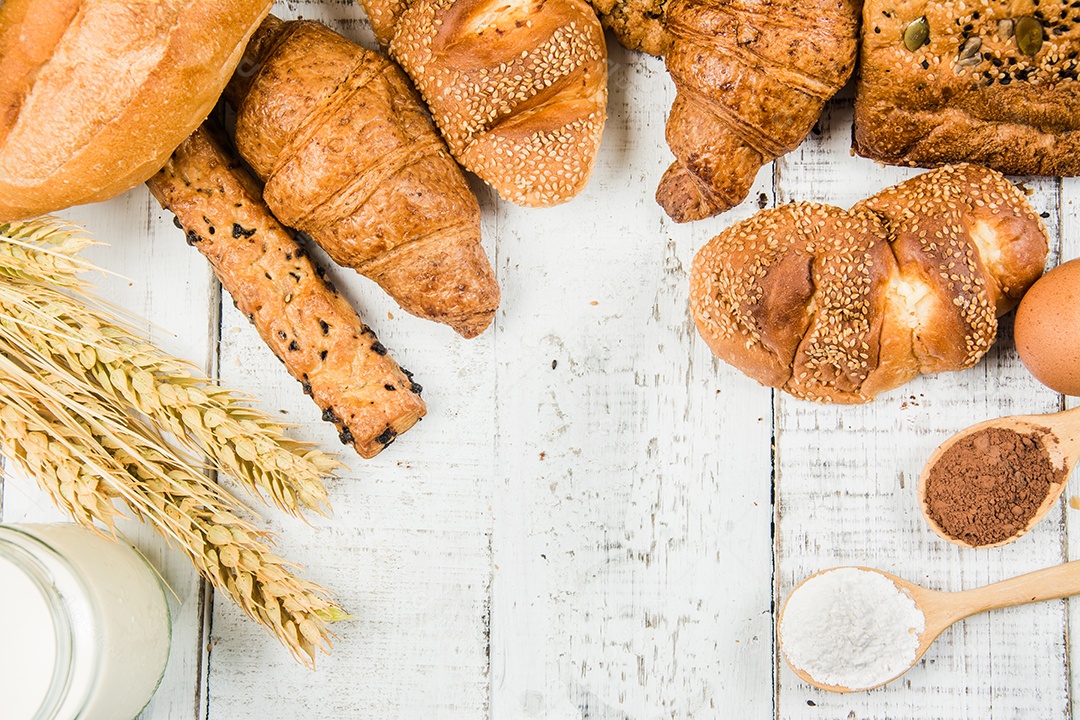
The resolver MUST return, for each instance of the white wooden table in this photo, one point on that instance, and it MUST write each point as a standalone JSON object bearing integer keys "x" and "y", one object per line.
{"x": 597, "y": 519}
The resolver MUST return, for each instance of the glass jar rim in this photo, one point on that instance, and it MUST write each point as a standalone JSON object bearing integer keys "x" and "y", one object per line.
{"x": 14, "y": 544}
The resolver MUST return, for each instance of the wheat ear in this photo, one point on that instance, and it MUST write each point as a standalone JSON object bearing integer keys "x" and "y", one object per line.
{"x": 66, "y": 420}
{"x": 240, "y": 441}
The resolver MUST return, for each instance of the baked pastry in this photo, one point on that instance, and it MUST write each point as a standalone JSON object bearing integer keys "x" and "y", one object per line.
{"x": 988, "y": 82}
{"x": 308, "y": 325}
{"x": 350, "y": 158}
{"x": 751, "y": 78}
{"x": 95, "y": 94}
{"x": 638, "y": 24}
{"x": 839, "y": 305}
{"x": 518, "y": 89}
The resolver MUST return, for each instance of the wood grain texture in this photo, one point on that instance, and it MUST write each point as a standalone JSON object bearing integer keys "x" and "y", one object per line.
{"x": 598, "y": 520}
{"x": 632, "y": 515}
{"x": 408, "y": 549}
{"x": 1069, "y": 207}
{"x": 174, "y": 308}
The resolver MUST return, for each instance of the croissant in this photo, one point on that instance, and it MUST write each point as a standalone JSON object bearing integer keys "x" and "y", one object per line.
{"x": 309, "y": 326}
{"x": 518, "y": 89}
{"x": 350, "y": 158}
{"x": 751, "y": 77}
{"x": 839, "y": 305}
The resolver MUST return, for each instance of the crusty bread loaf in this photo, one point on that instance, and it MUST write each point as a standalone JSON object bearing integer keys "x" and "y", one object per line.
{"x": 518, "y": 89}
{"x": 990, "y": 83}
{"x": 752, "y": 77}
{"x": 839, "y": 305}
{"x": 308, "y": 325}
{"x": 95, "y": 94}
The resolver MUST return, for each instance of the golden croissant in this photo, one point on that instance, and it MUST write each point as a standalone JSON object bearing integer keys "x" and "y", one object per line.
{"x": 350, "y": 158}
{"x": 751, "y": 78}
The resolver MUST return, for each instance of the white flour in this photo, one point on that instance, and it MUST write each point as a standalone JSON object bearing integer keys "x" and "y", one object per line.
{"x": 851, "y": 627}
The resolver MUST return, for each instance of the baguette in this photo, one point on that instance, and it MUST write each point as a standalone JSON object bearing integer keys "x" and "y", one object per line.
{"x": 95, "y": 94}
{"x": 307, "y": 324}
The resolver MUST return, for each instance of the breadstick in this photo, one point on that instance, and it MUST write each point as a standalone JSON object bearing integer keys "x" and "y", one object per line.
{"x": 309, "y": 326}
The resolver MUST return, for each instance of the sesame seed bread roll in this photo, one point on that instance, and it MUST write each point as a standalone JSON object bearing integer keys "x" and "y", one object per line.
{"x": 95, "y": 94}
{"x": 751, "y": 77}
{"x": 994, "y": 83}
{"x": 839, "y": 305}
{"x": 350, "y": 158}
{"x": 307, "y": 324}
{"x": 518, "y": 89}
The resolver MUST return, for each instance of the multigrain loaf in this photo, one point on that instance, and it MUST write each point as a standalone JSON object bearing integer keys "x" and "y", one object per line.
{"x": 839, "y": 305}
{"x": 301, "y": 317}
{"x": 95, "y": 94}
{"x": 751, "y": 78}
{"x": 992, "y": 82}
{"x": 637, "y": 24}
{"x": 350, "y": 158}
{"x": 518, "y": 89}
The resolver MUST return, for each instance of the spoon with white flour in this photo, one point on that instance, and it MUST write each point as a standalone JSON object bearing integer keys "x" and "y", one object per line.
{"x": 855, "y": 628}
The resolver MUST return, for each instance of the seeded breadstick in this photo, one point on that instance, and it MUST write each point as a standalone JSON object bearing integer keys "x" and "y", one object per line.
{"x": 310, "y": 327}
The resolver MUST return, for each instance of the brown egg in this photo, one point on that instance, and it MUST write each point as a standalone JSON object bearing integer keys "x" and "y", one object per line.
{"x": 1047, "y": 328}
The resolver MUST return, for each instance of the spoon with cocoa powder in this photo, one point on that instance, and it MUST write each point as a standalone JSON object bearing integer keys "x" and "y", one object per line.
{"x": 991, "y": 483}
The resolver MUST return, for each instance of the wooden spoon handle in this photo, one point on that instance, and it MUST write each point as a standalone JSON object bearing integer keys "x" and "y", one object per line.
{"x": 1054, "y": 582}
{"x": 1066, "y": 425}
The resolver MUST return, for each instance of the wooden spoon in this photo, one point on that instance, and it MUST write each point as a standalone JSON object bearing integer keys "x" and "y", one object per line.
{"x": 1061, "y": 437}
{"x": 942, "y": 609}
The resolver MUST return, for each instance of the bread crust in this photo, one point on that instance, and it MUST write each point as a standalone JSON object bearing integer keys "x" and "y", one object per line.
{"x": 100, "y": 92}
{"x": 308, "y": 325}
{"x": 518, "y": 90}
{"x": 839, "y": 305}
{"x": 752, "y": 77}
{"x": 350, "y": 158}
{"x": 970, "y": 93}
{"x": 637, "y": 24}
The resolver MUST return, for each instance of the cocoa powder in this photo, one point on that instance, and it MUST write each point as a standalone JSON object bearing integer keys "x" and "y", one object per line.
{"x": 988, "y": 485}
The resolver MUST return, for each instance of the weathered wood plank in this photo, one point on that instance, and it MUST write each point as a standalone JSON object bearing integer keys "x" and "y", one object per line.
{"x": 845, "y": 492}
{"x": 155, "y": 277}
{"x": 408, "y": 550}
{"x": 1070, "y": 499}
{"x": 632, "y": 512}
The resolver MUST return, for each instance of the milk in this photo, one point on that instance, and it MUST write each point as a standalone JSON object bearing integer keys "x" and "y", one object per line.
{"x": 27, "y": 644}
{"x": 84, "y": 625}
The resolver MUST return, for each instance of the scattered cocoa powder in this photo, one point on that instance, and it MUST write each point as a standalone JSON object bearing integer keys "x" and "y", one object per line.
{"x": 988, "y": 485}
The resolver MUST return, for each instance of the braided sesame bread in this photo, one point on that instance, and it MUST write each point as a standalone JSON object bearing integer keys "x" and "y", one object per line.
{"x": 992, "y": 82}
{"x": 350, "y": 158}
{"x": 839, "y": 305}
{"x": 518, "y": 89}
{"x": 752, "y": 77}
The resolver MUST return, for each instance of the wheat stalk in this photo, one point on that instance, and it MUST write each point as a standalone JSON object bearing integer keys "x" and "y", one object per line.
{"x": 68, "y": 377}
{"x": 240, "y": 441}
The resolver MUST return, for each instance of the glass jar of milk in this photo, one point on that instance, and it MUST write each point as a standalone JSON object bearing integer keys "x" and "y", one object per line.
{"x": 84, "y": 625}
